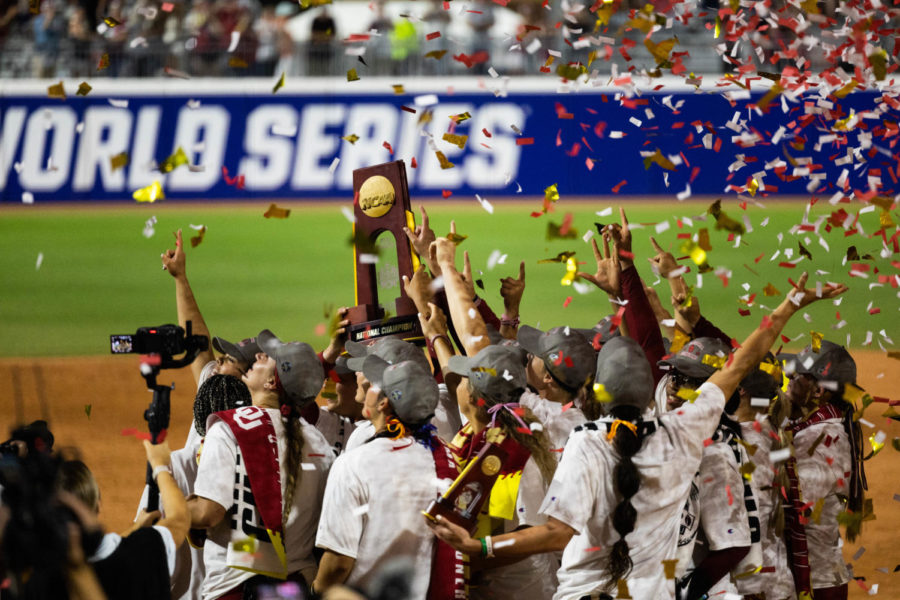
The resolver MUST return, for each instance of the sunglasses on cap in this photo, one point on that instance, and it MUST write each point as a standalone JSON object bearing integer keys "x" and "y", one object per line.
{"x": 682, "y": 380}
{"x": 227, "y": 358}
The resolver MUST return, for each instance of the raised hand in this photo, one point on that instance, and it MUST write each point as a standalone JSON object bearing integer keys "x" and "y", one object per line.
{"x": 800, "y": 296}
{"x": 687, "y": 311}
{"x": 511, "y": 289}
{"x": 173, "y": 261}
{"x": 419, "y": 289}
{"x": 338, "y": 336}
{"x": 663, "y": 262}
{"x": 421, "y": 240}
{"x": 608, "y": 275}
{"x": 434, "y": 322}
{"x": 621, "y": 238}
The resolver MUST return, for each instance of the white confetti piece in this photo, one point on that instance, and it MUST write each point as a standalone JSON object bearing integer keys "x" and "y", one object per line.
{"x": 493, "y": 259}
{"x": 80, "y": 127}
{"x": 368, "y": 259}
{"x": 18, "y": 167}
{"x": 777, "y": 456}
{"x": 473, "y": 313}
{"x": 863, "y": 421}
{"x": 485, "y": 204}
{"x": 685, "y": 194}
{"x": 39, "y": 262}
{"x": 660, "y": 227}
{"x": 27, "y": 198}
{"x": 149, "y": 230}
{"x": 334, "y": 165}
{"x": 235, "y": 38}
{"x": 197, "y": 227}
{"x": 193, "y": 104}
{"x": 308, "y": 466}
{"x": 634, "y": 121}
{"x": 118, "y": 103}
{"x": 759, "y": 402}
{"x": 348, "y": 214}
{"x": 503, "y": 544}
{"x": 605, "y": 212}
{"x": 536, "y": 426}
{"x": 425, "y": 100}
{"x": 588, "y": 235}
{"x": 437, "y": 284}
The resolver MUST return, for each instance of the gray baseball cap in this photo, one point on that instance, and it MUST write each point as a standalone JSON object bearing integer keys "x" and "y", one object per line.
{"x": 496, "y": 372}
{"x": 566, "y": 353}
{"x": 297, "y": 365}
{"x": 831, "y": 363}
{"x": 623, "y": 370}
{"x": 600, "y": 333}
{"x": 245, "y": 350}
{"x": 698, "y": 358}
{"x": 391, "y": 350}
{"x": 411, "y": 390}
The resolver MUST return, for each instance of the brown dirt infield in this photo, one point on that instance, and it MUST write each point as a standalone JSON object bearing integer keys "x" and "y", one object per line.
{"x": 60, "y": 389}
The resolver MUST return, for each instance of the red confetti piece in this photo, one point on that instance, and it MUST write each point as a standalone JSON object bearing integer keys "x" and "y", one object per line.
{"x": 787, "y": 265}
{"x": 589, "y": 163}
{"x": 408, "y": 109}
{"x": 567, "y": 406}
{"x": 525, "y": 141}
{"x": 486, "y": 133}
{"x": 707, "y": 442}
{"x": 766, "y": 322}
{"x": 446, "y": 193}
{"x": 470, "y": 60}
{"x": 730, "y": 497}
{"x": 414, "y": 163}
{"x": 619, "y": 185}
{"x": 592, "y": 549}
{"x": 389, "y": 148}
{"x": 433, "y": 35}
{"x": 237, "y": 181}
{"x": 167, "y": 7}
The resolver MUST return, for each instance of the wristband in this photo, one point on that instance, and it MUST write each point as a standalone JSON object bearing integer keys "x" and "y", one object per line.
{"x": 505, "y": 320}
{"x": 483, "y": 547}
{"x": 430, "y": 342}
{"x": 161, "y": 469}
{"x": 489, "y": 543}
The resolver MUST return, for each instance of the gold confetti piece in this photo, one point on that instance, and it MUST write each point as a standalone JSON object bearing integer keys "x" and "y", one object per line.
{"x": 767, "y": 98}
{"x": 816, "y": 513}
{"x": 426, "y": 117}
{"x": 488, "y": 370}
{"x": 276, "y": 212}
{"x": 248, "y": 545}
{"x": 878, "y": 60}
{"x": 398, "y": 88}
{"x": 461, "y": 117}
{"x": 551, "y": 193}
{"x": 118, "y": 161}
{"x": 57, "y": 91}
{"x": 816, "y": 340}
{"x": 352, "y": 76}
{"x": 803, "y": 251}
{"x": 753, "y": 186}
{"x": 174, "y": 161}
{"x": 195, "y": 240}
{"x": 352, "y": 138}
{"x": 876, "y": 445}
{"x": 660, "y": 160}
{"x": 559, "y": 258}
{"x": 747, "y": 470}
{"x": 842, "y": 124}
{"x": 687, "y": 394}
{"x": 600, "y": 393}
{"x": 622, "y": 592}
{"x": 571, "y": 271}
{"x": 436, "y": 54}
{"x": 570, "y": 72}
{"x": 151, "y": 193}
{"x": 456, "y": 238}
{"x": 846, "y": 89}
{"x": 442, "y": 158}
{"x": 882, "y": 202}
{"x": 885, "y": 220}
{"x": 697, "y": 254}
{"x": 771, "y": 290}
{"x": 457, "y": 140}
{"x": 661, "y": 50}
{"x": 752, "y": 571}
{"x": 723, "y": 221}
{"x": 236, "y": 62}
{"x": 280, "y": 83}
{"x": 84, "y": 89}
{"x": 104, "y": 62}
{"x": 669, "y": 567}
{"x": 703, "y": 239}
{"x": 679, "y": 339}
{"x": 87, "y": 410}
{"x": 111, "y": 22}
{"x": 714, "y": 361}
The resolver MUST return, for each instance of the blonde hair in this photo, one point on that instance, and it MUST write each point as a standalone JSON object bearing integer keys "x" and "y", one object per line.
{"x": 75, "y": 477}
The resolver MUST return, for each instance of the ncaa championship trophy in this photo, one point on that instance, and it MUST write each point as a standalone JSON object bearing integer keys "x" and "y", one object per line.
{"x": 382, "y": 207}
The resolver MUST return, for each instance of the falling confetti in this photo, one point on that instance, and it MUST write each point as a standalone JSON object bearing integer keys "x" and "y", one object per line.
{"x": 84, "y": 89}
{"x": 151, "y": 193}
{"x": 275, "y": 212}
{"x": 279, "y": 84}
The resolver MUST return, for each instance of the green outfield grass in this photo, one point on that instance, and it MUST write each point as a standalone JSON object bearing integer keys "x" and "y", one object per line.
{"x": 99, "y": 275}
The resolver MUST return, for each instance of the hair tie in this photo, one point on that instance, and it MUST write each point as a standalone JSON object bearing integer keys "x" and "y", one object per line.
{"x": 615, "y": 426}
{"x": 511, "y": 407}
{"x": 396, "y": 427}
{"x": 286, "y": 410}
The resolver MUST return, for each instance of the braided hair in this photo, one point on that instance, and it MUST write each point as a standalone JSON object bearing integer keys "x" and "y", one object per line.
{"x": 290, "y": 411}
{"x": 218, "y": 392}
{"x": 627, "y": 481}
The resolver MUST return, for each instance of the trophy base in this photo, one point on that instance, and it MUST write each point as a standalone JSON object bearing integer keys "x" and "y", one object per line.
{"x": 405, "y": 327}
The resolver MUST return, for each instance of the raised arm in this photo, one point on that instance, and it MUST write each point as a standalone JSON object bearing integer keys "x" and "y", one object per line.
{"x": 754, "y": 348}
{"x": 174, "y": 262}
{"x": 511, "y": 289}
{"x": 177, "y": 518}
{"x": 460, "y": 297}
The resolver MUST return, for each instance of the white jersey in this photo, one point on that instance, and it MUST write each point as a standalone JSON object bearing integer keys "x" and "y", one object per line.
{"x": 221, "y": 466}
{"x": 824, "y": 473}
{"x": 336, "y": 429}
{"x": 727, "y": 510}
{"x": 372, "y": 510}
{"x": 775, "y": 578}
{"x": 557, "y": 419}
{"x": 583, "y": 496}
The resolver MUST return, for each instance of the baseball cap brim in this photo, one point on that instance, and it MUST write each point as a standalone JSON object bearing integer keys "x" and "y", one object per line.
{"x": 373, "y": 368}
{"x": 268, "y": 342}
{"x": 529, "y": 339}
{"x": 356, "y": 349}
{"x": 225, "y": 347}
{"x": 785, "y": 358}
{"x": 460, "y": 365}
{"x": 689, "y": 367}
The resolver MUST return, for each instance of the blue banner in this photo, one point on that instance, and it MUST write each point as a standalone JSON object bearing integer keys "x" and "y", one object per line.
{"x": 305, "y": 146}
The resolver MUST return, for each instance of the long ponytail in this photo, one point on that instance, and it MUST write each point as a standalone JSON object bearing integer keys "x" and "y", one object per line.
{"x": 627, "y": 442}
{"x": 294, "y": 432}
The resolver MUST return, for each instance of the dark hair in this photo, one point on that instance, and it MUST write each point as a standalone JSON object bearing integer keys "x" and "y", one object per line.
{"x": 627, "y": 481}
{"x": 536, "y": 442}
{"x": 218, "y": 392}
{"x": 856, "y": 497}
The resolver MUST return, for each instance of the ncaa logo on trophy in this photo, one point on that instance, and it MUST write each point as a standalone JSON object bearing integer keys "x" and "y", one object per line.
{"x": 382, "y": 254}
